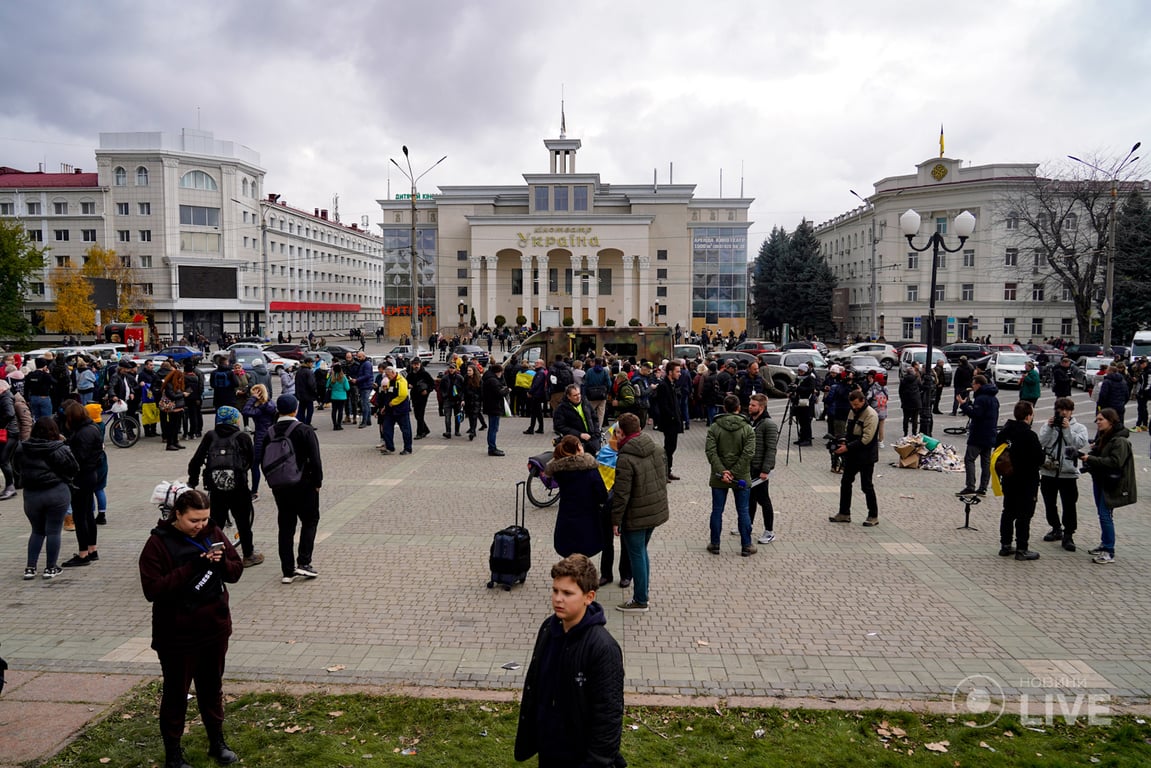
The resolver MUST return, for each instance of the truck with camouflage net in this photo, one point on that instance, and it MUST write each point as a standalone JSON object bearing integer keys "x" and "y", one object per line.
{"x": 643, "y": 342}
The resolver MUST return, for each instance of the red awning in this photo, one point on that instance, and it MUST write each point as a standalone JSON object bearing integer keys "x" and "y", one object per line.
{"x": 311, "y": 306}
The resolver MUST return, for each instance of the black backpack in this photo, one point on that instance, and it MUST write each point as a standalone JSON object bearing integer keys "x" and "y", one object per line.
{"x": 224, "y": 468}
{"x": 281, "y": 467}
{"x": 221, "y": 379}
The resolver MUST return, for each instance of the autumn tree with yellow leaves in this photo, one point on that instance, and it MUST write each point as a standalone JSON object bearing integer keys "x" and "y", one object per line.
{"x": 131, "y": 300}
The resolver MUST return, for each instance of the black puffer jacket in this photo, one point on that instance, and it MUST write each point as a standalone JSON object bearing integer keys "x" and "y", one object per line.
{"x": 1026, "y": 456}
{"x": 572, "y": 705}
{"x": 87, "y": 446}
{"x": 45, "y": 463}
{"x": 639, "y": 494}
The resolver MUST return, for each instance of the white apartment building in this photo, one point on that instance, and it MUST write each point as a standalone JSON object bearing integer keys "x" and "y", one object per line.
{"x": 993, "y": 286}
{"x": 186, "y": 212}
{"x": 568, "y": 242}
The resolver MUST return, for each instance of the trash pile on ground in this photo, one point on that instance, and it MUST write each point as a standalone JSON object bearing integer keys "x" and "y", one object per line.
{"x": 925, "y": 452}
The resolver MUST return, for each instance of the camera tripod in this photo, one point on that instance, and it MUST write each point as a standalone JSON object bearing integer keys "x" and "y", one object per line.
{"x": 789, "y": 419}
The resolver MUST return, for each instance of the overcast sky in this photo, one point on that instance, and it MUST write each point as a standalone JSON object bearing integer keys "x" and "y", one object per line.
{"x": 809, "y": 99}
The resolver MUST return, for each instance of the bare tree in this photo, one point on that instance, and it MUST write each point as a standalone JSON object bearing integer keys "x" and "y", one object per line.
{"x": 1062, "y": 215}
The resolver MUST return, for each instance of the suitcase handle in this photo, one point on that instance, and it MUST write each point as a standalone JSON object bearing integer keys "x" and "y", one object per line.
{"x": 521, "y": 504}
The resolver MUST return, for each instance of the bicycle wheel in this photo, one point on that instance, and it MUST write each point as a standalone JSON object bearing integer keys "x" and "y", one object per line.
{"x": 539, "y": 494}
{"x": 125, "y": 431}
{"x": 955, "y": 430}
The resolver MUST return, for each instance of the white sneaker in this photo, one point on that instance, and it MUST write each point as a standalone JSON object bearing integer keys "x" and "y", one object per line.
{"x": 734, "y": 532}
{"x": 767, "y": 537}
{"x": 882, "y": 444}
{"x": 287, "y": 579}
{"x": 1103, "y": 558}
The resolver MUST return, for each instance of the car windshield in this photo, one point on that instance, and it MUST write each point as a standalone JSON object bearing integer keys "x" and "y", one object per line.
{"x": 1013, "y": 358}
{"x": 864, "y": 360}
{"x": 920, "y": 355}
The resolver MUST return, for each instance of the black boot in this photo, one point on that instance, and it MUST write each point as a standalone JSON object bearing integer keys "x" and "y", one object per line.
{"x": 173, "y": 754}
{"x": 219, "y": 750}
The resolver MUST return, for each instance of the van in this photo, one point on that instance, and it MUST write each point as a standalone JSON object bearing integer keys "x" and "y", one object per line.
{"x": 1141, "y": 344}
{"x": 652, "y": 343}
{"x": 688, "y": 352}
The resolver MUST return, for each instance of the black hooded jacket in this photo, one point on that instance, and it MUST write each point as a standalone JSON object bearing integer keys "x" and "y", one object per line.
{"x": 45, "y": 463}
{"x": 1026, "y": 456}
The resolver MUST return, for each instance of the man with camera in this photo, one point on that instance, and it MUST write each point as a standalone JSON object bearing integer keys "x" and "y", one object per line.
{"x": 859, "y": 450}
{"x": 1063, "y": 439}
{"x": 982, "y": 407}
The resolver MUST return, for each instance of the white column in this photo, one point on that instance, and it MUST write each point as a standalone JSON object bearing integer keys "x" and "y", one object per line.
{"x": 526, "y": 264}
{"x": 577, "y": 266}
{"x": 593, "y": 288}
{"x": 644, "y": 313}
{"x": 474, "y": 291}
{"x": 542, "y": 266}
{"x": 628, "y": 266}
{"x": 493, "y": 269}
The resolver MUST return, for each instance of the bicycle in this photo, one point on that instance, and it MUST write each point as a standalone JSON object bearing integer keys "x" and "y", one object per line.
{"x": 122, "y": 428}
{"x": 542, "y": 490}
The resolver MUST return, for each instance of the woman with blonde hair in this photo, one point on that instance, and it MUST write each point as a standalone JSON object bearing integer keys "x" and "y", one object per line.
{"x": 173, "y": 391}
{"x": 263, "y": 416}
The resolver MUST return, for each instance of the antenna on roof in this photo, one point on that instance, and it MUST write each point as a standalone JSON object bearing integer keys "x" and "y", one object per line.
{"x": 741, "y": 178}
{"x": 563, "y": 118}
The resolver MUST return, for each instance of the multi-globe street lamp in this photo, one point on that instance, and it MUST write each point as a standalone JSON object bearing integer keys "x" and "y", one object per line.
{"x": 909, "y": 224}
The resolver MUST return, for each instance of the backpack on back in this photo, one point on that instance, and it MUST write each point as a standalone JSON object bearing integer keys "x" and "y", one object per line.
{"x": 281, "y": 467}
{"x": 220, "y": 379}
{"x": 1002, "y": 461}
{"x": 224, "y": 468}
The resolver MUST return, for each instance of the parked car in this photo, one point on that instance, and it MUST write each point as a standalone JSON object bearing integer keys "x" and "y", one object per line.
{"x": 473, "y": 352}
{"x": 1007, "y": 368}
{"x": 863, "y": 364}
{"x": 919, "y": 355}
{"x": 1005, "y": 348}
{"x": 966, "y": 349}
{"x": 1076, "y": 351}
{"x": 289, "y": 351}
{"x": 177, "y": 353}
{"x": 818, "y": 346}
{"x": 402, "y": 353}
{"x": 792, "y": 359}
{"x": 688, "y": 352}
{"x": 1085, "y": 371}
{"x": 884, "y": 353}
{"x": 756, "y": 347}
{"x": 107, "y": 351}
{"x": 339, "y": 350}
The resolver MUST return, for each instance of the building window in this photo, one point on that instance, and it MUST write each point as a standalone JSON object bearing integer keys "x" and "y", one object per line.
{"x": 969, "y": 258}
{"x": 462, "y": 290}
{"x": 88, "y": 209}
{"x": 204, "y": 242}
{"x": 120, "y": 177}
{"x": 124, "y": 235}
{"x": 941, "y": 225}
{"x": 517, "y": 282}
{"x": 89, "y": 235}
{"x": 462, "y": 273}
{"x": 1011, "y": 257}
{"x": 661, "y": 255}
{"x": 908, "y": 327}
{"x": 36, "y": 235}
{"x": 661, "y": 291}
{"x": 1065, "y": 326}
{"x": 661, "y": 274}
{"x": 141, "y": 176}
{"x": 1013, "y": 220}
{"x": 940, "y": 290}
{"x": 603, "y": 281}
{"x": 541, "y": 198}
{"x": 7, "y": 209}
{"x": 579, "y": 198}
{"x": 461, "y": 255}
{"x": 33, "y": 209}
{"x": 1037, "y": 327}
{"x": 1009, "y": 290}
{"x": 913, "y": 293}
{"x": 146, "y": 262}
{"x": 943, "y": 261}
{"x": 126, "y": 262}
{"x": 912, "y": 260}
{"x": 121, "y": 209}
{"x": 61, "y": 235}
{"x": 1071, "y": 222}
{"x": 144, "y": 209}
{"x": 145, "y": 235}
{"x": 1066, "y": 295}
{"x": 61, "y": 209}
{"x": 561, "y": 198}
{"x": 199, "y": 216}
{"x": 198, "y": 180}
{"x": 36, "y": 289}
{"x": 146, "y": 288}
{"x": 63, "y": 261}
{"x": 1037, "y": 291}
{"x": 713, "y": 215}
{"x": 1009, "y": 327}
{"x": 968, "y": 292}
{"x": 244, "y": 187}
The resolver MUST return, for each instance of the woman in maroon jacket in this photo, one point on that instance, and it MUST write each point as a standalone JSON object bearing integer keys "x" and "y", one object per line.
{"x": 183, "y": 570}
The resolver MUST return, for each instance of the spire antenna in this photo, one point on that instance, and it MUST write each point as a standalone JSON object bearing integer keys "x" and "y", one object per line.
{"x": 563, "y": 118}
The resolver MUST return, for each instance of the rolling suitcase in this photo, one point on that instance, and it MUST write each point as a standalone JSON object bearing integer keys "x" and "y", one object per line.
{"x": 511, "y": 554}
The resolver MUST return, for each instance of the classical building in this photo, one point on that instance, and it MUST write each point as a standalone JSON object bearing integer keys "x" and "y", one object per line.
{"x": 994, "y": 286}
{"x": 187, "y": 214}
{"x": 567, "y": 245}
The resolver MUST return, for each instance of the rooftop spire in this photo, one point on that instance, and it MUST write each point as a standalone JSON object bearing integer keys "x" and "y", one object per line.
{"x": 563, "y": 119}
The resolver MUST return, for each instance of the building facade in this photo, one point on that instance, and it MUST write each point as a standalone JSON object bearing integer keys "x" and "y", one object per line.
{"x": 567, "y": 245}
{"x": 187, "y": 214}
{"x": 994, "y": 286}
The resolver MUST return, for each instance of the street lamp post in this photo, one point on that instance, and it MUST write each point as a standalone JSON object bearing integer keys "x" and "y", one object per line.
{"x": 415, "y": 294}
{"x": 909, "y": 225}
{"x": 874, "y": 292}
{"x": 1109, "y": 299}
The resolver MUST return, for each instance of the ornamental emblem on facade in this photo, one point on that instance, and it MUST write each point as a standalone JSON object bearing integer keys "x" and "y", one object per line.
{"x": 939, "y": 171}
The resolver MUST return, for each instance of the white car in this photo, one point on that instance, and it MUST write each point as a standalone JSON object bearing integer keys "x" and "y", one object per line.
{"x": 884, "y": 353}
{"x": 1008, "y": 368}
{"x": 404, "y": 352}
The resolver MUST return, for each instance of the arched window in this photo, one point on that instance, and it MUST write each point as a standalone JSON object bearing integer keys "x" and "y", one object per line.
{"x": 198, "y": 180}
{"x": 120, "y": 176}
{"x": 141, "y": 176}
{"x": 245, "y": 187}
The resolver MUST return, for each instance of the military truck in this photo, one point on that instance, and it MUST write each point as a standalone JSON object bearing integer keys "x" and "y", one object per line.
{"x": 651, "y": 342}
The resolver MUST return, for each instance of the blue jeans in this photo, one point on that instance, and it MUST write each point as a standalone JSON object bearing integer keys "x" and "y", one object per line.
{"x": 40, "y": 406}
{"x": 1106, "y": 521}
{"x": 387, "y": 428}
{"x": 718, "y": 501}
{"x": 636, "y": 544}
{"x": 366, "y": 407}
{"x": 493, "y": 430}
{"x": 306, "y": 409}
